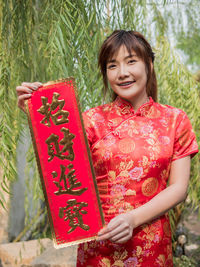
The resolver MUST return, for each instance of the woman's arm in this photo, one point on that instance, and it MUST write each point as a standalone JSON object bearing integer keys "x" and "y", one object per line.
{"x": 119, "y": 229}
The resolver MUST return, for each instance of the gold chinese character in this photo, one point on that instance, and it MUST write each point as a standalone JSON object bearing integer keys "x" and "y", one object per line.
{"x": 72, "y": 182}
{"x": 73, "y": 212}
{"x": 66, "y": 142}
{"x": 59, "y": 116}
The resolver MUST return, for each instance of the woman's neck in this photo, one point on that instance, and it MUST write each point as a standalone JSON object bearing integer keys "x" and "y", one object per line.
{"x": 137, "y": 103}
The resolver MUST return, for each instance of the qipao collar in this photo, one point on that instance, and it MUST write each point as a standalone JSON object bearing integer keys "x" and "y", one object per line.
{"x": 125, "y": 107}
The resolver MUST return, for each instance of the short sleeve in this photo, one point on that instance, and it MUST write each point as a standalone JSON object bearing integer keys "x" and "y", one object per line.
{"x": 88, "y": 128}
{"x": 185, "y": 143}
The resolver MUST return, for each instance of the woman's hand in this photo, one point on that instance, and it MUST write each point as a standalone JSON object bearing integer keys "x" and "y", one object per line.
{"x": 119, "y": 229}
{"x": 24, "y": 91}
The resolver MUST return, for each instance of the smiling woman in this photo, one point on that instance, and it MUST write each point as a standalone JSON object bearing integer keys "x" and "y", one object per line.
{"x": 138, "y": 147}
{"x": 138, "y": 165}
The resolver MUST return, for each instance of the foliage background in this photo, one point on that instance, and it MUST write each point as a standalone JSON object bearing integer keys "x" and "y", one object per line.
{"x": 51, "y": 39}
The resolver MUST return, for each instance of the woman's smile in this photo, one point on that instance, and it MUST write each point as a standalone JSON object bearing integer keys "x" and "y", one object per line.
{"x": 126, "y": 84}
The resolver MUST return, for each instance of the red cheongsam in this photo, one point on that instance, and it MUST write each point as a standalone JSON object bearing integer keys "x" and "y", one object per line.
{"x": 132, "y": 153}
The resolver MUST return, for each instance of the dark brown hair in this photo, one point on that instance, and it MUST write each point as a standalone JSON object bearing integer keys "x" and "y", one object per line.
{"x": 132, "y": 40}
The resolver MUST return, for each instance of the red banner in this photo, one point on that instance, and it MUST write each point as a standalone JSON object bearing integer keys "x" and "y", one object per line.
{"x": 64, "y": 163}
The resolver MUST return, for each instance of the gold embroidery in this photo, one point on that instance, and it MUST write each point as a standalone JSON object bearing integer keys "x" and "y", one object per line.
{"x": 105, "y": 262}
{"x": 161, "y": 260}
{"x": 119, "y": 205}
{"x": 153, "y": 112}
{"x": 131, "y": 192}
{"x": 138, "y": 251}
{"x": 166, "y": 228}
{"x": 150, "y": 232}
{"x": 120, "y": 255}
{"x": 184, "y": 138}
{"x": 149, "y": 186}
{"x": 85, "y": 246}
{"x": 125, "y": 166}
{"x": 111, "y": 175}
{"x": 114, "y": 122}
{"x": 118, "y": 263}
{"x": 145, "y": 160}
{"x": 124, "y": 173}
{"x": 126, "y": 145}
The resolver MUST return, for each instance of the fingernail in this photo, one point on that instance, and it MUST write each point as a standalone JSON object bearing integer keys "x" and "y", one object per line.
{"x": 35, "y": 87}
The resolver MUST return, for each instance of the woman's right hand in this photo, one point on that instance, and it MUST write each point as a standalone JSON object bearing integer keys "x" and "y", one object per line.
{"x": 24, "y": 91}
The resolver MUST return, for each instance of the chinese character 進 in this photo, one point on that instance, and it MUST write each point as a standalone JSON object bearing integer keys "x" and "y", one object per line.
{"x": 66, "y": 142}
{"x": 58, "y": 117}
{"x": 73, "y": 212}
{"x": 72, "y": 182}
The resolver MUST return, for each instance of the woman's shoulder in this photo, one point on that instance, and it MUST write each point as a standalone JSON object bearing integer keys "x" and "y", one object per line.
{"x": 100, "y": 110}
{"x": 170, "y": 110}
{"x": 96, "y": 120}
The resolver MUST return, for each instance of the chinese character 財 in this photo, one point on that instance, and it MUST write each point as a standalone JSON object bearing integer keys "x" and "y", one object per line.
{"x": 54, "y": 111}
{"x": 68, "y": 188}
{"x": 66, "y": 142}
{"x": 73, "y": 212}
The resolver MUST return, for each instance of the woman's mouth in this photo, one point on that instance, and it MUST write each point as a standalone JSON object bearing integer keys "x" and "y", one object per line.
{"x": 126, "y": 84}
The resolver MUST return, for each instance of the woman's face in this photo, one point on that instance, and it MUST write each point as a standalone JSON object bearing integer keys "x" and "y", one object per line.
{"x": 127, "y": 76}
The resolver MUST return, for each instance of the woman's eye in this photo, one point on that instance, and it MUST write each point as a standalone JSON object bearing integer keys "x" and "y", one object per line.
{"x": 132, "y": 61}
{"x": 112, "y": 66}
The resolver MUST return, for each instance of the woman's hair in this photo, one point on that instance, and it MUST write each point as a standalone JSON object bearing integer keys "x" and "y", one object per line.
{"x": 132, "y": 40}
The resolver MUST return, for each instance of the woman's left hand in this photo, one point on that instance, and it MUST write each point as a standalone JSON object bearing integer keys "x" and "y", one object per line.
{"x": 119, "y": 229}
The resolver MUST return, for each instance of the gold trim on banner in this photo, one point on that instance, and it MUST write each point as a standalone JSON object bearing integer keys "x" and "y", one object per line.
{"x": 61, "y": 80}
{"x": 40, "y": 170}
{"x": 64, "y": 245}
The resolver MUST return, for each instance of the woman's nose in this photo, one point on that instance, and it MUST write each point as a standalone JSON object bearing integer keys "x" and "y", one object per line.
{"x": 123, "y": 72}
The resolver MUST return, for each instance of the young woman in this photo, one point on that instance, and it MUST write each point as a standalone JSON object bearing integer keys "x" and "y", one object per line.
{"x": 138, "y": 147}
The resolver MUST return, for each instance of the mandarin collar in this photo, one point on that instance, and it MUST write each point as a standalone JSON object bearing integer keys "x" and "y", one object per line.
{"x": 125, "y": 107}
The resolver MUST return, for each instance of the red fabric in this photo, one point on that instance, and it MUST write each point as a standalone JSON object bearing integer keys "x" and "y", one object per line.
{"x": 132, "y": 153}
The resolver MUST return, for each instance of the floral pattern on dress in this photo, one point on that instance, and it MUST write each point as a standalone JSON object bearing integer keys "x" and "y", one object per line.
{"x": 132, "y": 153}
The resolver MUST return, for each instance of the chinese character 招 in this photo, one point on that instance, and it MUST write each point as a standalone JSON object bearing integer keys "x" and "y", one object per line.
{"x": 54, "y": 111}
{"x": 66, "y": 142}
{"x": 73, "y": 212}
{"x": 68, "y": 188}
